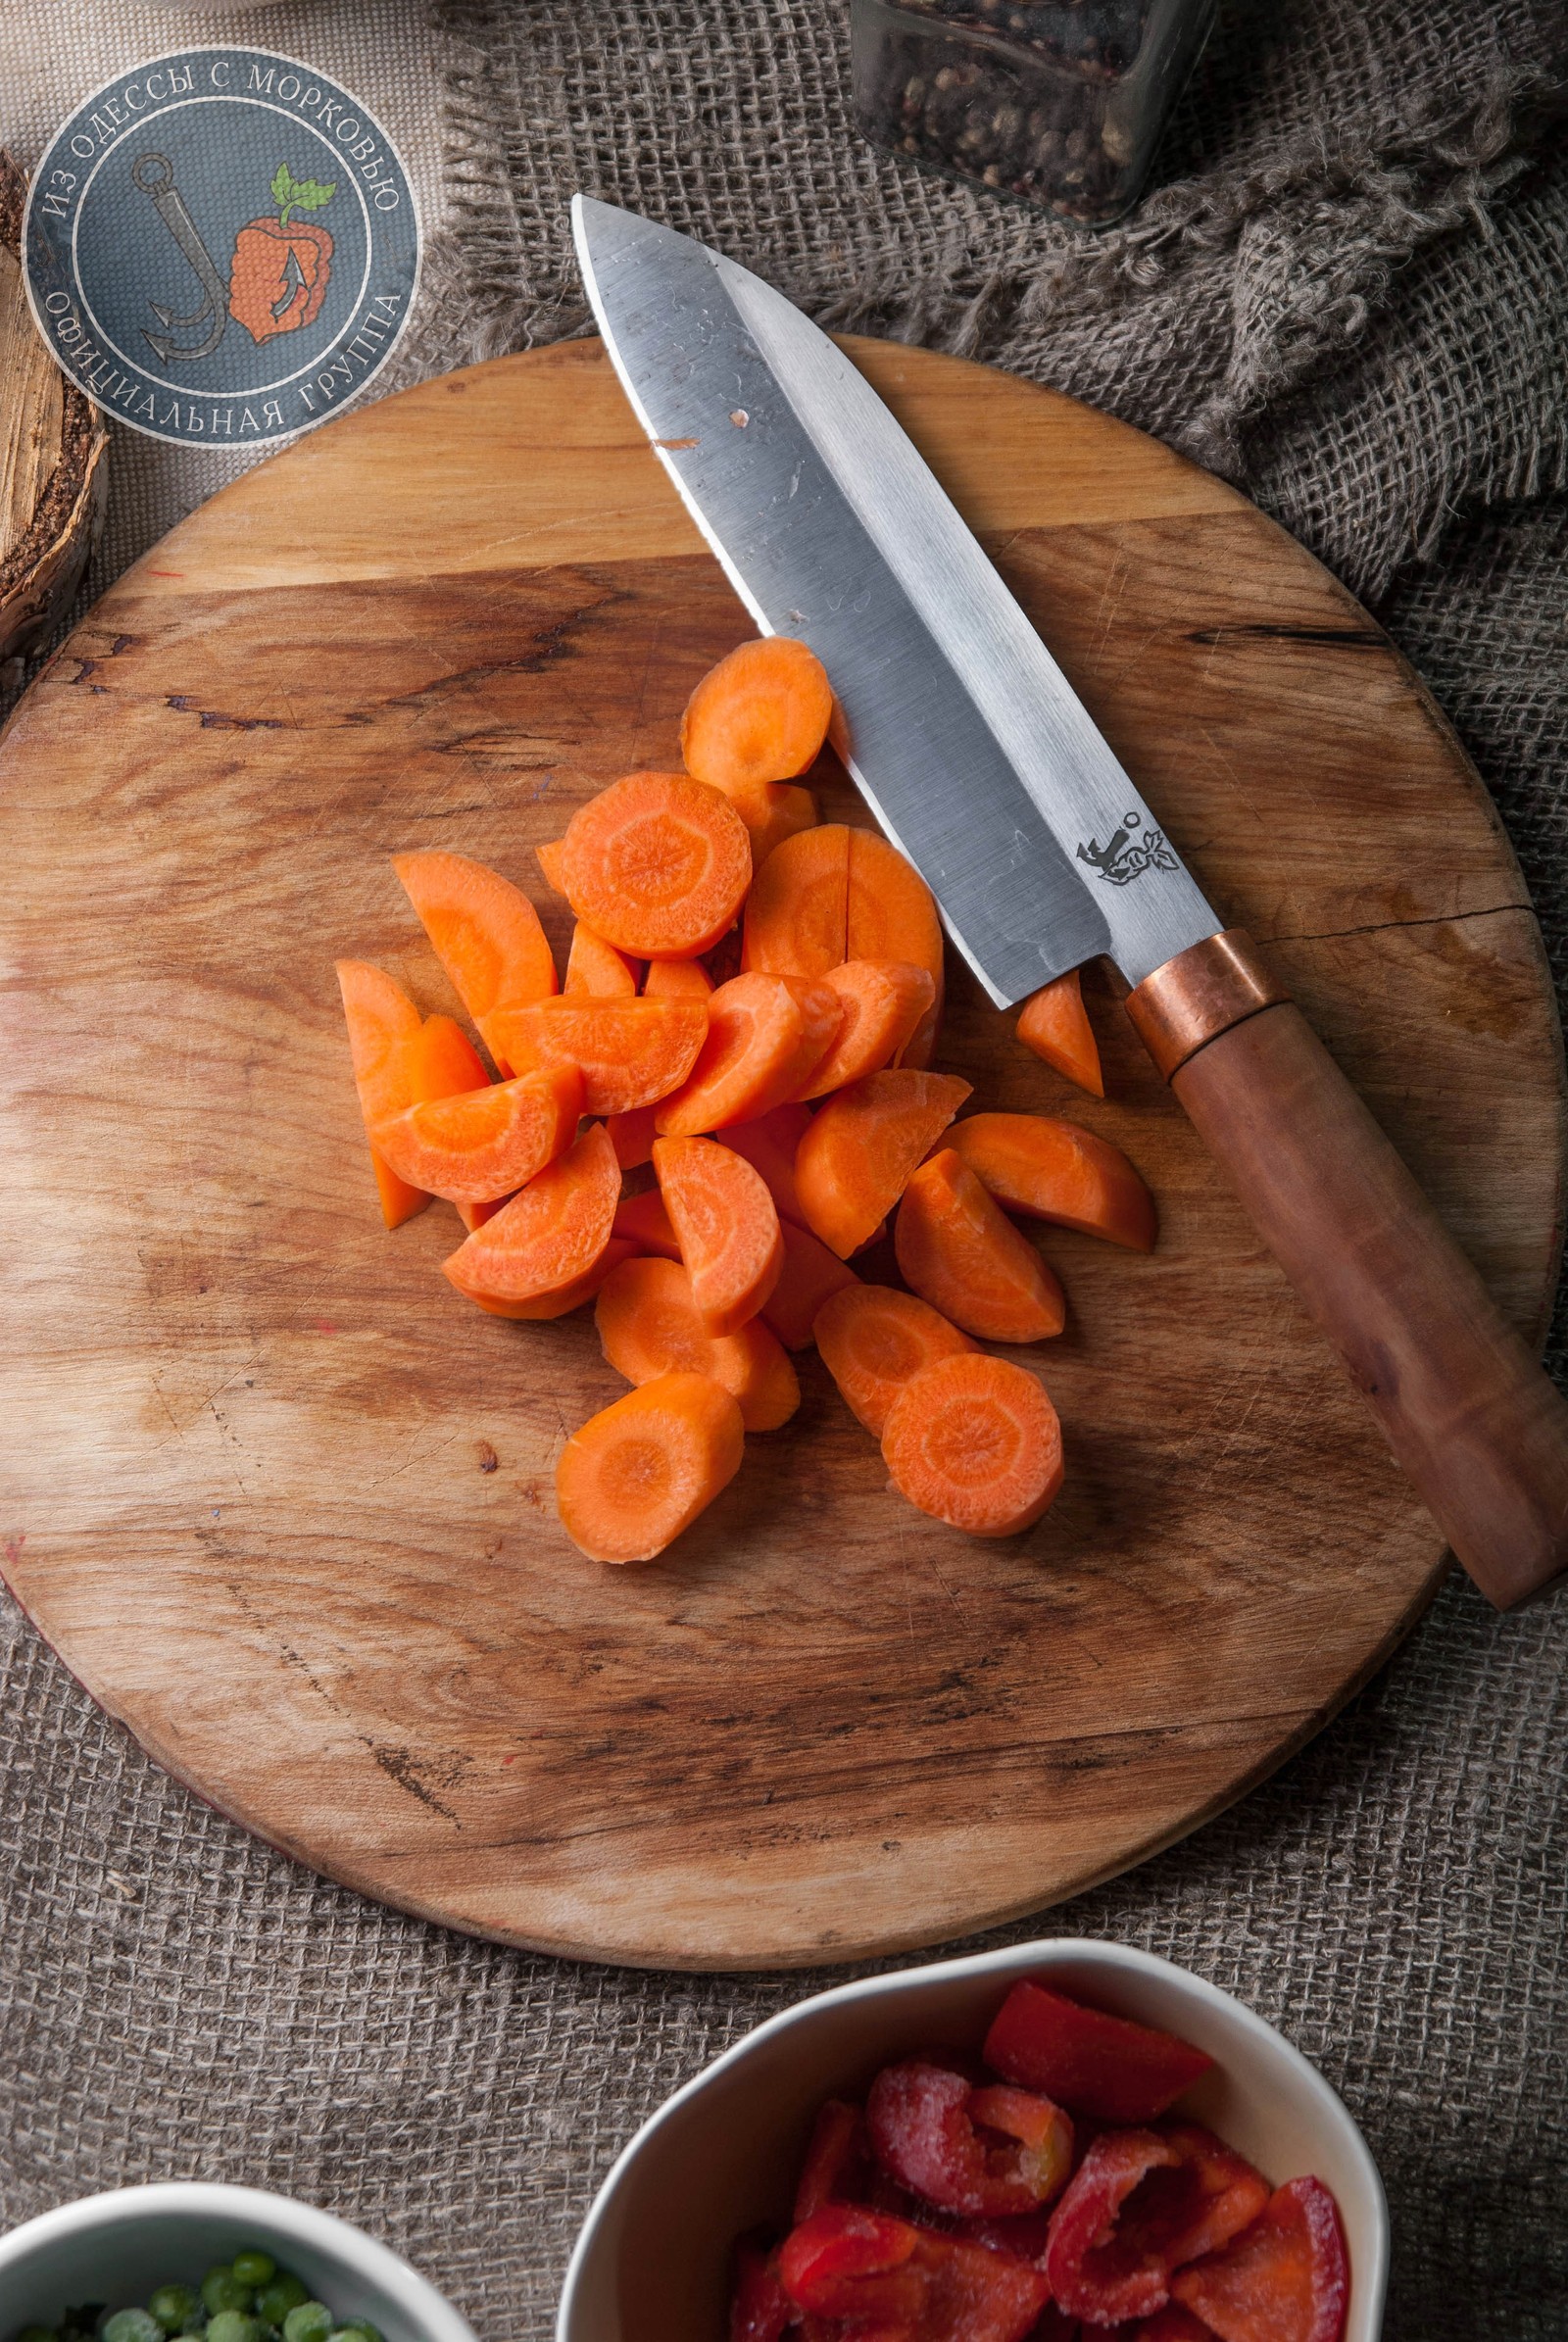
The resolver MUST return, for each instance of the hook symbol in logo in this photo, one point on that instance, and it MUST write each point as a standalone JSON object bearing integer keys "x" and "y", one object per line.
{"x": 154, "y": 174}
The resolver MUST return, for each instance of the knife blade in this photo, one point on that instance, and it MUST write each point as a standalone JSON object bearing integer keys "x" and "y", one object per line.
{"x": 986, "y": 770}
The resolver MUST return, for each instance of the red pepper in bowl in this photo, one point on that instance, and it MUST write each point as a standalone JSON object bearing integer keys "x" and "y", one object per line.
{"x": 1284, "y": 2279}
{"x": 929, "y": 2128}
{"x": 1090, "y": 2062}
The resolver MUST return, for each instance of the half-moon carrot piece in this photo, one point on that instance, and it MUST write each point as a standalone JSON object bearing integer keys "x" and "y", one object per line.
{"x": 485, "y": 1143}
{"x": 797, "y": 913}
{"x": 649, "y": 1325}
{"x": 855, "y": 1161}
{"x": 486, "y": 934}
{"x": 769, "y": 1144}
{"x": 974, "y": 1442}
{"x": 597, "y": 969}
{"x": 676, "y": 980}
{"x": 810, "y": 1275}
{"x": 764, "y": 1034}
{"x": 872, "y": 1339}
{"x": 1054, "y": 1024}
{"x": 561, "y": 1299}
{"x": 553, "y": 1229}
{"x": 890, "y": 913}
{"x": 548, "y": 857}
{"x": 630, "y": 1052}
{"x": 658, "y": 865}
{"x": 960, "y": 1253}
{"x": 1051, "y": 1170}
{"x": 761, "y": 716}
{"x": 399, "y": 1058}
{"x": 884, "y": 1001}
{"x": 632, "y": 1135}
{"x": 398, "y": 1200}
{"x": 645, "y": 1220}
{"x": 641, "y": 1471}
{"x": 780, "y": 810}
{"x": 726, "y": 1226}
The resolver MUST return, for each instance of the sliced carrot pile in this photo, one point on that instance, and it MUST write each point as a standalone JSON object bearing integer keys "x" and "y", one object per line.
{"x": 644, "y": 1219}
{"x": 676, "y": 980}
{"x": 761, "y": 716}
{"x": 485, "y": 1143}
{"x": 811, "y": 1276}
{"x": 553, "y": 1229}
{"x": 596, "y": 967}
{"x": 764, "y": 1034}
{"x": 873, "y": 1337}
{"x": 658, "y": 865}
{"x": 890, "y": 913}
{"x": 632, "y": 1135}
{"x": 1053, "y": 1170}
{"x": 629, "y": 1052}
{"x": 769, "y": 1144}
{"x": 884, "y": 1001}
{"x": 649, "y": 1325}
{"x": 974, "y": 1442}
{"x": 796, "y": 913}
{"x": 641, "y": 1471}
{"x": 1054, "y": 1024}
{"x": 726, "y": 1226}
{"x": 737, "y": 968}
{"x": 561, "y": 1299}
{"x": 962, "y": 1254}
{"x": 485, "y": 934}
{"x": 855, "y": 1161}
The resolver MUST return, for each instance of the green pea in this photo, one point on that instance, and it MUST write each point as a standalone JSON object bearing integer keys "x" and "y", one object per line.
{"x": 253, "y": 2267}
{"x": 172, "y": 2306}
{"x": 276, "y": 2300}
{"x": 311, "y": 2322}
{"x": 233, "y": 2325}
{"x": 222, "y": 2289}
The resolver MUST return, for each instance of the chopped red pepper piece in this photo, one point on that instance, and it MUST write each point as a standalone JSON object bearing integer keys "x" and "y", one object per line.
{"x": 893, "y": 2283}
{"x": 1088, "y": 2062}
{"x": 922, "y": 2119}
{"x": 1097, "y": 2272}
{"x": 759, "y": 2308}
{"x": 836, "y": 2161}
{"x": 1023, "y": 2238}
{"x": 1284, "y": 2279}
{"x": 1197, "y": 2205}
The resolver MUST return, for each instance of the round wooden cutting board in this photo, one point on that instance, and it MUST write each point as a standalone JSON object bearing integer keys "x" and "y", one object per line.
{"x": 284, "y": 1503}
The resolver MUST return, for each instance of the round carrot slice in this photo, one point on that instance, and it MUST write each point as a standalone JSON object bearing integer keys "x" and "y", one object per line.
{"x": 1054, "y": 1024}
{"x": 798, "y": 909}
{"x": 641, "y": 1471}
{"x": 649, "y": 1325}
{"x": 1053, "y": 1170}
{"x": 962, "y": 1254}
{"x": 873, "y": 1337}
{"x": 855, "y": 1161}
{"x": 630, "y": 1052}
{"x": 884, "y": 1001}
{"x": 761, "y": 716}
{"x": 485, "y": 1143}
{"x": 726, "y": 1226}
{"x": 552, "y": 1231}
{"x": 658, "y": 865}
{"x": 764, "y": 1034}
{"x": 974, "y": 1442}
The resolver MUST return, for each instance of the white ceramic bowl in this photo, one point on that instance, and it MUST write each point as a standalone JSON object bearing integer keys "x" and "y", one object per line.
{"x": 652, "y": 2263}
{"x": 116, "y": 2247}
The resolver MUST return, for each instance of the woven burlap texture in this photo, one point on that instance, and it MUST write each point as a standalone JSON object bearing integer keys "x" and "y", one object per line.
{"x": 1347, "y": 294}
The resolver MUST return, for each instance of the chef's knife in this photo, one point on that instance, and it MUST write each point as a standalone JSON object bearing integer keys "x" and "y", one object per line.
{"x": 983, "y": 767}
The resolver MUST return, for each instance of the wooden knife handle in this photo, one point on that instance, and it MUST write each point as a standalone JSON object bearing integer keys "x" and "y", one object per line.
{"x": 1467, "y": 1410}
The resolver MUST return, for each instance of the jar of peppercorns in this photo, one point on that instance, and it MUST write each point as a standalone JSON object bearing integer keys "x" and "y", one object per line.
{"x": 1059, "y": 102}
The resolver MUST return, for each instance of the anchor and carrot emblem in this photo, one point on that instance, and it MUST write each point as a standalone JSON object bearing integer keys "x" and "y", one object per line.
{"x": 278, "y": 272}
{"x": 1126, "y": 855}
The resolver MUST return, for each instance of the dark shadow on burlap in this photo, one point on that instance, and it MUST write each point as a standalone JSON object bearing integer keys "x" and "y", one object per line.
{"x": 1348, "y": 295}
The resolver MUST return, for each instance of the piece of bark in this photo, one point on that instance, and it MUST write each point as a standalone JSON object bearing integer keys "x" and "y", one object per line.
{"x": 53, "y": 461}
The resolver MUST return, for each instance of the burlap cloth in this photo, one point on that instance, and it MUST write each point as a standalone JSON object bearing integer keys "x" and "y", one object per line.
{"x": 1348, "y": 295}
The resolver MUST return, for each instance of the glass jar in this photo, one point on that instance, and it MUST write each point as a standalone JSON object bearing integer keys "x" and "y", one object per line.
{"x": 1059, "y": 102}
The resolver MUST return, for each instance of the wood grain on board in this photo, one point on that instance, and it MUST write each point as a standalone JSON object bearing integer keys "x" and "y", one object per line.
{"x": 283, "y": 1500}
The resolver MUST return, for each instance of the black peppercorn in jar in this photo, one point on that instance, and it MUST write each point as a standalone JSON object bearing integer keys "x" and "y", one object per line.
{"x": 1059, "y": 102}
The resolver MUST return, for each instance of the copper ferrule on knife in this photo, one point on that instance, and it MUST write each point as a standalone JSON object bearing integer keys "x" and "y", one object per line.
{"x": 1201, "y": 994}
